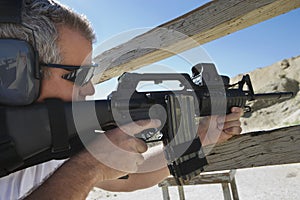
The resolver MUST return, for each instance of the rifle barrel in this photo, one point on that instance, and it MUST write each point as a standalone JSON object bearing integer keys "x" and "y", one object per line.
{"x": 277, "y": 95}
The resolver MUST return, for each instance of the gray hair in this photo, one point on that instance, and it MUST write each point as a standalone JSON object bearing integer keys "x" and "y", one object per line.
{"x": 45, "y": 17}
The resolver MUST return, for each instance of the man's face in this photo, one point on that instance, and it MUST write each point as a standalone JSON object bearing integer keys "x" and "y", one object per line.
{"x": 75, "y": 50}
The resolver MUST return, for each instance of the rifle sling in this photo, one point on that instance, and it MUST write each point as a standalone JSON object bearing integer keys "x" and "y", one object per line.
{"x": 63, "y": 142}
{"x": 58, "y": 126}
{"x": 9, "y": 158}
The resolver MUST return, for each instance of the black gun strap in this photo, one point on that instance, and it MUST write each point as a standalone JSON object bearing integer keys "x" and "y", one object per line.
{"x": 64, "y": 143}
{"x": 9, "y": 157}
{"x": 44, "y": 156}
{"x": 59, "y": 130}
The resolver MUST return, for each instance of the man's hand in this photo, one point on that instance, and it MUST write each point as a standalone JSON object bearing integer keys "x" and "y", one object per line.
{"x": 82, "y": 171}
{"x": 211, "y": 130}
{"x": 217, "y": 129}
{"x": 117, "y": 152}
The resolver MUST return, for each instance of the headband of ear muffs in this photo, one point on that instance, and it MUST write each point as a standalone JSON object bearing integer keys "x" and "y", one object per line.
{"x": 19, "y": 70}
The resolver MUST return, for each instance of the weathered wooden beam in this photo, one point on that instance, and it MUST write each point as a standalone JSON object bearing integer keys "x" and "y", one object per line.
{"x": 204, "y": 24}
{"x": 264, "y": 148}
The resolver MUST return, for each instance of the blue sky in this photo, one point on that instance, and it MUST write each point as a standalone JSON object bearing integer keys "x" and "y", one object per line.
{"x": 243, "y": 51}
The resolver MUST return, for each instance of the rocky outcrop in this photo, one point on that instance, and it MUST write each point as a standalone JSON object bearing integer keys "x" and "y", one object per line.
{"x": 283, "y": 76}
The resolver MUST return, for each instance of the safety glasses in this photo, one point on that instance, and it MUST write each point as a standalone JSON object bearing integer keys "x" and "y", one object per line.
{"x": 80, "y": 75}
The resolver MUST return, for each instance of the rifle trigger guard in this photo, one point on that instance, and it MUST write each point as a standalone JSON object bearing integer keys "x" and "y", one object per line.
{"x": 247, "y": 109}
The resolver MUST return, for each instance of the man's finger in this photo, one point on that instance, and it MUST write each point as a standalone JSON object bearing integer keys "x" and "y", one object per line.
{"x": 229, "y": 124}
{"x": 141, "y": 146}
{"x": 233, "y": 130}
{"x": 238, "y": 112}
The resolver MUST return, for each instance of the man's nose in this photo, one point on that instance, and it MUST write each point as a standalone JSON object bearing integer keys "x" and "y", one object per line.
{"x": 87, "y": 89}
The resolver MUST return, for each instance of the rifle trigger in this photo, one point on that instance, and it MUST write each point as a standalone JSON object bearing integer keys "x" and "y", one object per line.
{"x": 147, "y": 134}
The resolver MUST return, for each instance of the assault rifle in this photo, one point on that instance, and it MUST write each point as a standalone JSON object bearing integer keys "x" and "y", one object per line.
{"x": 205, "y": 93}
{"x": 60, "y": 123}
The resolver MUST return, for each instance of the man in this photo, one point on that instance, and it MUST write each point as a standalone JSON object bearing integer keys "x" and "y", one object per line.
{"x": 64, "y": 37}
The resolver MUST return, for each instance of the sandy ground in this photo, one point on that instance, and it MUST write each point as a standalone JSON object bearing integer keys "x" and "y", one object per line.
{"x": 263, "y": 183}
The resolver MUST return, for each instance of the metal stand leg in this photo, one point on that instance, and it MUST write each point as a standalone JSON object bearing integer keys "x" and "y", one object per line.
{"x": 234, "y": 190}
{"x": 227, "y": 179}
{"x": 181, "y": 193}
{"x": 226, "y": 191}
{"x": 165, "y": 191}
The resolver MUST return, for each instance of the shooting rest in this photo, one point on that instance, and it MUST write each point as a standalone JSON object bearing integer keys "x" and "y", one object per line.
{"x": 226, "y": 178}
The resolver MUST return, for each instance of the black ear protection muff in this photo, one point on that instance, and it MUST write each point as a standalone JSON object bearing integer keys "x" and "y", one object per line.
{"x": 19, "y": 68}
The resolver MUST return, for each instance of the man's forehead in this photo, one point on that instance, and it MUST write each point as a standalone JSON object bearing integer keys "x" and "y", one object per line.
{"x": 74, "y": 47}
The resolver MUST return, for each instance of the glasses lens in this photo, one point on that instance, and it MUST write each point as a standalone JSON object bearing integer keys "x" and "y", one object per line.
{"x": 81, "y": 76}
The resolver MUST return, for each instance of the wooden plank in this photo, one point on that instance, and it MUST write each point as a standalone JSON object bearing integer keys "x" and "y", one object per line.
{"x": 264, "y": 148}
{"x": 204, "y": 24}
